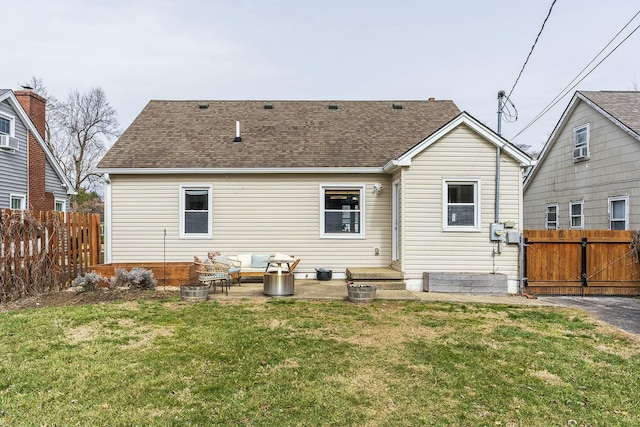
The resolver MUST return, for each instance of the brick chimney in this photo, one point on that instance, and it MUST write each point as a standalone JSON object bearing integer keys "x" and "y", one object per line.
{"x": 35, "y": 106}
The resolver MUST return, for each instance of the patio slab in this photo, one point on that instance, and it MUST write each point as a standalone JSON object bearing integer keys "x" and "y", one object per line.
{"x": 337, "y": 290}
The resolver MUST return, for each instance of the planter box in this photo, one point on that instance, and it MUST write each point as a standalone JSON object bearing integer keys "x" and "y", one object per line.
{"x": 177, "y": 273}
{"x": 469, "y": 283}
{"x": 361, "y": 293}
{"x": 194, "y": 293}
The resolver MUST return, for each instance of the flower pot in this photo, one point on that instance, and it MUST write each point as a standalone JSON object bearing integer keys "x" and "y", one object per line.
{"x": 361, "y": 293}
{"x": 194, "y": 293}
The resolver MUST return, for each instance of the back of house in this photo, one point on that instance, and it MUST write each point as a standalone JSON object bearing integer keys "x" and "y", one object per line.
{"x": 404, "y": 185}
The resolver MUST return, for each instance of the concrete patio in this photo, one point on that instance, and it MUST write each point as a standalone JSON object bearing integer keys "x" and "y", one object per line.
{"x": 337, "y": 290}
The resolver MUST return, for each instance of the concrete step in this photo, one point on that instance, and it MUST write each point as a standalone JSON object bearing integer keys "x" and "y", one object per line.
{"x": 373, "y": 273}
{"x": 387, "y": 285}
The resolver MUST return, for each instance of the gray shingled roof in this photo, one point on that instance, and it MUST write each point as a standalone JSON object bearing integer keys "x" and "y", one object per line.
{"x": 624, "y": 106}
{"x": 180, "y": 134}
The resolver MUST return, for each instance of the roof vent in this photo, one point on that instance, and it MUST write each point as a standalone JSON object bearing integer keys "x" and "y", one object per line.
{"x": 203, "y": 106}
{"x": 268, "y": 106}
{"x": 237, "y": 138}
{"x": 396, "y": 106}
{"x": 333, "y": 106}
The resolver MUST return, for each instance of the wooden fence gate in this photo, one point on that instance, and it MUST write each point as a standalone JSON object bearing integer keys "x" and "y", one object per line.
{"x": 581, "y": 262}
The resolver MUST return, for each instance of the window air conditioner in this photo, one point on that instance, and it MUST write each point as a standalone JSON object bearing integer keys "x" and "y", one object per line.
{"x": 580, "y": 153}
{"x": 7, "y": 141}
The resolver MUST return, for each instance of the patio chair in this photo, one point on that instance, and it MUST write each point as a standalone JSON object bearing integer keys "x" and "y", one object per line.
{"x": 212, "y": 273}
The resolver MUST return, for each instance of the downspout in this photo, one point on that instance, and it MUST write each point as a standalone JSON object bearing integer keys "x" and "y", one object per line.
{"x": 107, "y": 218}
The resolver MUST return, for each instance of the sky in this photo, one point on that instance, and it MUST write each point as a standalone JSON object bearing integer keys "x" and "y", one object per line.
{"x": 462, "y": 50}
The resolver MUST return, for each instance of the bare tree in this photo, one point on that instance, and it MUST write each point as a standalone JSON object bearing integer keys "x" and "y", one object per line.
{"x": 79, "y": 131}
{"x": 85, "y": 124}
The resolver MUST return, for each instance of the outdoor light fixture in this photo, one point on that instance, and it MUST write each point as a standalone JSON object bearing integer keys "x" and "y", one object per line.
{"x": 377, "y": 187}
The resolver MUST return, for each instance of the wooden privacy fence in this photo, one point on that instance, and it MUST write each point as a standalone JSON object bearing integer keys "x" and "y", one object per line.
{"x": 581, "y": 262}
{"x": 41, "y": 251}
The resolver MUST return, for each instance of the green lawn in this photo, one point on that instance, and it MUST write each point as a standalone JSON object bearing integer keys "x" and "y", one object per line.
{"x": 291, "y": 363}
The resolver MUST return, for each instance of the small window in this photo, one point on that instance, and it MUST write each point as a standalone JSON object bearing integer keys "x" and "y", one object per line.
{"x": 5, "y": 126}
{"x": 576, "y": 215}
{"x": 619, "y": 213}
{"x": 551, "y": 217}
{"x": 18, "y": 202}
{"x": 581, "y": 143}
{"x": 461, "y": 205}
{"x": 342, "y": 211}
{"x": 195, "y": 211}
{"x": 60, "y": 205}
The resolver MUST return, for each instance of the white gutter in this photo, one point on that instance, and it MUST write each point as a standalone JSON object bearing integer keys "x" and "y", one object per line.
{"x": 235, "y": 171}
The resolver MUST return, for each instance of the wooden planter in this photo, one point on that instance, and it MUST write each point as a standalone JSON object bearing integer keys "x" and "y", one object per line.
{"x": 167, "y": 274}
{"x": 194, "y": 293}
{"x": 361, "y": 293}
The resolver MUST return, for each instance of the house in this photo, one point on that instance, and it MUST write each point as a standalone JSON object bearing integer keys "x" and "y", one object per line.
{"x": 587, "y": 174}
{"x": 408, "y": 185}
{"x": 30, "y": 176}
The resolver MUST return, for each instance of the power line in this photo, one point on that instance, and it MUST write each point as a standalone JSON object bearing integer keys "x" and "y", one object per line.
{"x": 568, "y": 87}
{"x": 532, "y": 47}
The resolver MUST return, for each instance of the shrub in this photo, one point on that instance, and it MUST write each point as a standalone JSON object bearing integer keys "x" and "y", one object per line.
{"x": 137, "y": 278}
{"x": 89, "y": 282}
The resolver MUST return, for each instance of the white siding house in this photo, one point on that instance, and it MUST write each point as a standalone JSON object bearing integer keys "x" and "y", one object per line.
{"x": 410, "y": 186}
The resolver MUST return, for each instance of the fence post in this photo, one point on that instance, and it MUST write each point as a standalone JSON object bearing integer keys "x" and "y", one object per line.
{"x": 583, "y": 269}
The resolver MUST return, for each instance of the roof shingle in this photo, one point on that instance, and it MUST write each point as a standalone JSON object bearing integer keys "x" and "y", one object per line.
{"x": 181, "y": 134}
{"x": 624, "y": 106}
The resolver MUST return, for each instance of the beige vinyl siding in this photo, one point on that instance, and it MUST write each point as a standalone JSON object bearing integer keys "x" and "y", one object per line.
{"x": 426, "y": 247}
{"x": 611, "y": 171}
{"x": 251, "y": 214}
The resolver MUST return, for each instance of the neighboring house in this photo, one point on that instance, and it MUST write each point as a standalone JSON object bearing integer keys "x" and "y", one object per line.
{"x": 587, "y": 176}
{"x": 410, "y": 185}
{"x": 30, "y": 177}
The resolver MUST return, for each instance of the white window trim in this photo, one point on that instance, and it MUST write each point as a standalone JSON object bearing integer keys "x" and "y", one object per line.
{"x": 546, "y": 216}
{"x": 626, "y": 210}
{"x": 21, "y": 197}
{"x": 581, "y": 203}
{"x": 12, "y": 123}
{"x": 195, "y": 236}
{"x": 478, "y": 205}
{"x": 587, "y": 145}
{"x": 343, "y": 186}
{"x": 64, "y": 204}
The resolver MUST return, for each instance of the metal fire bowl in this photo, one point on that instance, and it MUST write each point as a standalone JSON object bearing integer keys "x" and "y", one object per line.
{"x": 278, "y": 285}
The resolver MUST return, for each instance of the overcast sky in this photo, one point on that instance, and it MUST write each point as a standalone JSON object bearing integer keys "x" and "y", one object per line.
{"x": 464, "y": 50}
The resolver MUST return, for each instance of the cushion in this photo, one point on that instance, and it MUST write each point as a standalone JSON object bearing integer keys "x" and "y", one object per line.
{"x": 234, "y": 270}
{"x": 259, "y": 260}
{"x": 245, "y": 260}
{"x": 280, "y": 256}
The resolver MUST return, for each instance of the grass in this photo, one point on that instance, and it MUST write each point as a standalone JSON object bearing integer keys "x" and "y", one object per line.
{"x": 290, "y": 363}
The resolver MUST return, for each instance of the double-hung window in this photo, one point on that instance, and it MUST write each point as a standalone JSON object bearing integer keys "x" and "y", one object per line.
{"x": 551, "y": 217}
{"x": 619, "y": 213}
{"x": 342, "y": 211}
{"x": 195, "y": 211}
{"x": 581, "y": 143}
{"x": 461, "y": 205}
{"x": 60, "y": 205}
{"x": 5, "y": 126}
{"x": 576, "y": 215}
{"x": 17, "y": 202}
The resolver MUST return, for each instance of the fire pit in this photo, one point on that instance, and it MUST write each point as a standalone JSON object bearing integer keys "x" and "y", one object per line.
{"x": 278, "y": 283}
